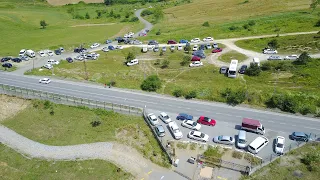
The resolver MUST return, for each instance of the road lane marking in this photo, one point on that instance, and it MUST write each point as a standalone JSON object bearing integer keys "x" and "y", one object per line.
{"x": 161, "y": 177}
{"x": 149, "y": 172}
{"x": 221, "y": 178}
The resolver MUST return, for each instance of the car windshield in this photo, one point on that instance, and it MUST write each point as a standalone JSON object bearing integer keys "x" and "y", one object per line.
{"x": 280, "y": 145}
{"x": 194, "y": 124}
{"x": 165, "y": 117}
{"x": 219, "y": 138}
{"x": 202, "y": 135}
{"x": 242, "y": 141}
{"x": 207, "y": 119}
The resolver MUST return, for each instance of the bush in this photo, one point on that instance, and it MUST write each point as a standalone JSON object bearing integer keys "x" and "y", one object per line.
{"x": 253, "y": 70}
{"x": 237, "y": 155}
{"x": 191, "y": 94}
{"x": 185, "y": 60}
{"x": 95, "y": 123}
{"x": 161, "y": 53}
{"x": 158, "y": 33}
{"x": 234, "y": 97}
{"x": 311, "y": 160}
{"x": 245, "y": 26}
{"x": 233, "y": 27}
{"x": 112, "y": 83}
{"x": 317, "y": 24}
{"x": 206, "y": 24}
{"x": 87, "y": 16}
{"x": 146, "y": 12}
{"x": 284, "y": 102}
{"x": 266, "y": 66}
{"x": 152, "y": 83}
{"x": 157, "y": 62}
{"x": 47, "y": 104}
{"x": 303, "y": 59}
{"x": 165, "y": 64}
{"x": 251, "y": 23}
{"x": 178, "y": 92}
{"x": 273, "y": 44}
{"x": 130, "y": 56}
{"x": 134, "y": 19}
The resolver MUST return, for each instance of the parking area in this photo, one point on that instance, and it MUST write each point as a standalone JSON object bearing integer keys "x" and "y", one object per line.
{"x": 228, "y": 129}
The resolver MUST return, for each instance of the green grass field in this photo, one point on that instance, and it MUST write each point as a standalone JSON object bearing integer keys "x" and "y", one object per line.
{"x": 71, "y": 125}
{"x": 287, "y": 44}
{"x": 15, "y": 166}
{"x": 291, "y": 166}
{"x": 227, "y": 57}
{"x": 20, "y": 25}
{"x": 270, "y": 17}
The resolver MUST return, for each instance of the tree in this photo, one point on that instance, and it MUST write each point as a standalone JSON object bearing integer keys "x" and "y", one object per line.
{"x": 185, "y": 60}
{"x": 187, "y": 48}
{"x": 108, "y": 2}
{"x": 303, "y": 59}
{"x": 206, "y": 24}
{"x": 317, "y": 24}
{"x": 191, "y": 94}
{"x": 253, "y": 70}
{"x": 158, "y": 14}
{"x": 234, "y": 97}
{"x": 178, "y": 92}
{"x": 43, "y": 24}
{"x": 273, "y": 44}
{"x": 314, "y": 4}
{"x": 165, "y": 64}
{"x": 130, "y": 56}
{"x": 99, "y": 14}
{"x": 152, "y": 83}
{"x": 252, "y": 23}
{"x": 87, "y": 16}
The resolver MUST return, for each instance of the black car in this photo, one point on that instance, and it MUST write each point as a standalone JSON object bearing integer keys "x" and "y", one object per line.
{"x": 78, "y": 50}
{"x": 299, "y": 136}
{"x": 7, "y": 65}
{"x": 243, "y": 69}
{"x": 16, "y": 60}
{"x": 117, "y": 38}
{"x": 120, "y": 40}
{"x": 153, "y": 42}
{"x": 5, "y": 59}
{"x": 57, "y": 52}
{"x": 69, "y": 59}
{"x": 199, "y": 53}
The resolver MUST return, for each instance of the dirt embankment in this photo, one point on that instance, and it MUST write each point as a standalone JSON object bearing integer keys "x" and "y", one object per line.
{"x": 10, "y": 106}
{"x": 64, "y": 2}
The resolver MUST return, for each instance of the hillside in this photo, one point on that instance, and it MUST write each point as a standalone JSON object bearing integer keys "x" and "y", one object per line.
{"x": 64, "y": 2}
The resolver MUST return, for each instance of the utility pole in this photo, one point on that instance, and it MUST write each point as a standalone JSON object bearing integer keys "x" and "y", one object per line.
{"x": 85, "y": 69}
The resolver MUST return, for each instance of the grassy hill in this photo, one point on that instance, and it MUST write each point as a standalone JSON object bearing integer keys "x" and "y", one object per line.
{"x": 20, "y": 25}
{"x": 230, "y": 18}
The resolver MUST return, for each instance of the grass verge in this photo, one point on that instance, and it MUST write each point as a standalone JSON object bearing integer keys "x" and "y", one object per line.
{"x": 13, "y": 68}
{"x": 227, "y": 57}
{"x": 69, "y": 125}
{"x": 252, "y": 159}
{"x": 181, "y": 145}
{"x": 15, "y": 166}
{"x": 237, "y": 154}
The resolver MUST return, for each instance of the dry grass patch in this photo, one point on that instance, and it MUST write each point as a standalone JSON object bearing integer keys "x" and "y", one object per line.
{"x": 10, "y": 106}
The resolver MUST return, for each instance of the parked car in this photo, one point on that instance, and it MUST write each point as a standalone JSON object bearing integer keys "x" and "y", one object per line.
{"x": 153, "y": 42}
{"x": 195, "y": 48}
{"x": 224, "y": 140}
{"x": 48, "y": 66}
{"x": 199, "y": 136}
{"x": 136, "y": 42}
{"x": 24, "y": 58}
{"x": 216, "y": 50}
{"x": 108, "y": 41}
{"x": 165, "y": 117}
{"x": 279, "y": 145}
{"x": 117, "y": 38}
{"x": 156, "y": 49}
{"x": 195, "y": 58}
{"x": 80, "y": 58}
{"x": 172, "y": 48}
{"x": 215, "y": 45}
{"x": 22, "y": 52}
{"x": 160, "y": 130}
{"x": 223, "y": 69}
{"x": 119, "y": 47}
{"x": 184, "y": 116}
{"x": 256, "y": 145}
{"x": 153, "y": 119}
{"x": 206, "y": 121}
{"x": 111, "y": 47}
{"x": 291, "y": 57}
{"x": 57, "y": 52}
{"x": 52, "y": 61}
{"x": 5, "y": 59}
{"x": 78, "y": 50}
{"x": 299, "y": 136}
{"x": 17, "y": 60}
{"x": 174, "y": 128}
{"x": 196, "y": 64}
{"x": 202, "y": 47}
{"x": 42, "y": 54}
{"x": 274, "y": 57}
{"x": 45, "y": 80}
{"x": 30, "y": 53}
{"x": 94, "y": 45}
{"x": 179, "y": 48}
{"x": 50, "y": 53}
{"x": 243, "y": 69}
{"x": 61, "y": 49}
{"x": 191, "y": 125}
{"x": 69, "y": 59}
{"x": 208, "y": 46}
{"x": 269, "y": 51}
{"x": 7, "y": 65}
{"x": 199, "y": 53}
{"x": 207, "y": 39}
{"x": 133, "y": 62}
{"x": 105, "y": 49}
{"x": 183, "y": 41}
{"x": 195, "y": 40}
{"x": 164, "y": 49}
{"x": 171, "y": 42}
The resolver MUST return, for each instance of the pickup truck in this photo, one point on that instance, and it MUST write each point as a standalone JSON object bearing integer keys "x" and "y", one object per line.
{"x": 252, "y": 125}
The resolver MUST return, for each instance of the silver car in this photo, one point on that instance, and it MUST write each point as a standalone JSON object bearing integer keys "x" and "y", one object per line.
{"x": 274, "y": 58}
{"x": 160, "y": 130}
{"x": 224, "y": 140}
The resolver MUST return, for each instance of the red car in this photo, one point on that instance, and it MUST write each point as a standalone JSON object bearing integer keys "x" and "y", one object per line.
{"x": 172, "y": 42}
{"x": 216, "y": 50}
{"x": 206, "y": 121}
{"x": 195, "y": 58}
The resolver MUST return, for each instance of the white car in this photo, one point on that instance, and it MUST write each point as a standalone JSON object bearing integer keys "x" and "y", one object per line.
{"x": 208, "y": 46}
{"x": 133, "y": 62}
{"x": 171, "y": 48}
{"x": 45, "y": 80}
{"x": 52, "y": 61}
{"x": 41, "y": 54}
{"x": 291, "y": 57}
{"x": 79, "y": 58}
{"x": 199, "y": 136}
{"x": 95, "y": 54}
{"x": 215, "y": 45}
{"x": 207, "y": 39}
{"x": 48, "y": 66}
{"x": 50, "y": 53}
{"x": 61, "y": 49}
{"x": 174, "y": 128}
{"x": 279, "y": 146}
{"x": 22, "y": 52}
{"x": 94, "y": 45}
{"x": 191, "y": 125}
{"x": 130, "y": 33}
{"x": 179, "y": 48}
{"x": 224, "y": 140}
{"x": 195, "y": 40}
{"x": 105, "y": 49}
{"x": 164, "y": 117}
{"x": 119, "y": 47}
{"x": 195, "y": 48}
{"x": 153, "y": 119}
{"x": 270, "y": 51}
{"x": 196, "y": 64}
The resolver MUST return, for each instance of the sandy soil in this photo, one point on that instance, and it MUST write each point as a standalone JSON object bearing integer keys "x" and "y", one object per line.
{"x": 10, "y": 106}
{"x": 64, "y": 2}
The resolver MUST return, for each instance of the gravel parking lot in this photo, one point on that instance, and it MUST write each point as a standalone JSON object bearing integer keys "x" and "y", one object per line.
{"x": 223, "y": 128}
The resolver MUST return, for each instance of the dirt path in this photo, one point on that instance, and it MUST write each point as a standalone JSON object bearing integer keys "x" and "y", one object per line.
{"x": 87, "y": 25}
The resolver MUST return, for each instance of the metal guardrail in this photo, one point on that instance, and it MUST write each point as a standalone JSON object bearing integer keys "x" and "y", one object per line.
{"x": 66, "y": 99}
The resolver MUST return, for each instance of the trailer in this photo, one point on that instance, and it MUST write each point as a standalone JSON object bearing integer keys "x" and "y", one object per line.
{"x": 252, "y": 125}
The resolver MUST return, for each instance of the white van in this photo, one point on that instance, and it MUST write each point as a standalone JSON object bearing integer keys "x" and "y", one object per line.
{"x": 30, "y": 53}
{"x": 256, "y": 145}
{"x": 51, "y": 61}
{"x": 232, "y": 72}
{"x": 144, "y": 49}
{"x": 256, "y": 61}
{"x": 241, "y": 141}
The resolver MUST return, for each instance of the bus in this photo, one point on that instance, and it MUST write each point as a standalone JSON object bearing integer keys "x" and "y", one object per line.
{"x": 232, "y": 72}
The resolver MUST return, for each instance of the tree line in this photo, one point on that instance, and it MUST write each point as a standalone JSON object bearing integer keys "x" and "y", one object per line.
{"x": 111, "y": 2}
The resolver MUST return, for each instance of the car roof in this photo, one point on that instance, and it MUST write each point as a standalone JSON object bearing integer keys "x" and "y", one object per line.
{"x": 299, "y": 133}
{"x": 225, "y": 137}
{"x": 183, "y": 114}
{"x": 160, "y": 128}
{"x": 198, "y": 133}
{"x": 280, "y": 139}
{"x": 163, "y": 114}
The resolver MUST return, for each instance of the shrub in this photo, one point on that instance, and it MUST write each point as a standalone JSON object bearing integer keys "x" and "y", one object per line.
{"x": 206, "y": 24}
{"x": 185, "y": 60}
{"x": 152, "y": 83}
{"x": 234, "y": 97}
{"x": 177, "y": 92}
{"x": 95, "y": 123}
{"x": 273, "y": 44}
{"x": 146, "y": 12}
{"x": 157, "y": 62}
{"x": 112, "y": 83}
{"x": 134, "y": 19}
{"x": 253, "y": 70}
{"x": 311, "y": 160}
{"x": 251, "y": 23}
{"x": 165, "y": 64}
{"x": 284, "y": 102}
{"x": 161, "y": 53}
{"x": 317, "y": 24}
{"x": 130, "y": 56}
{"x": 233, "y": 27}
{"x": 191, "y": 94}
{"x": 47, "y": 104}
{"x": 245, "y": 26}
{"x": 158, "y": 33}
{"x": 52, "y": 111}
{"x": 237, "y": 154}
{"x": 303, "y": 59}
{"x": 87, "y": 16}
{"x": 266, "y": 66}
